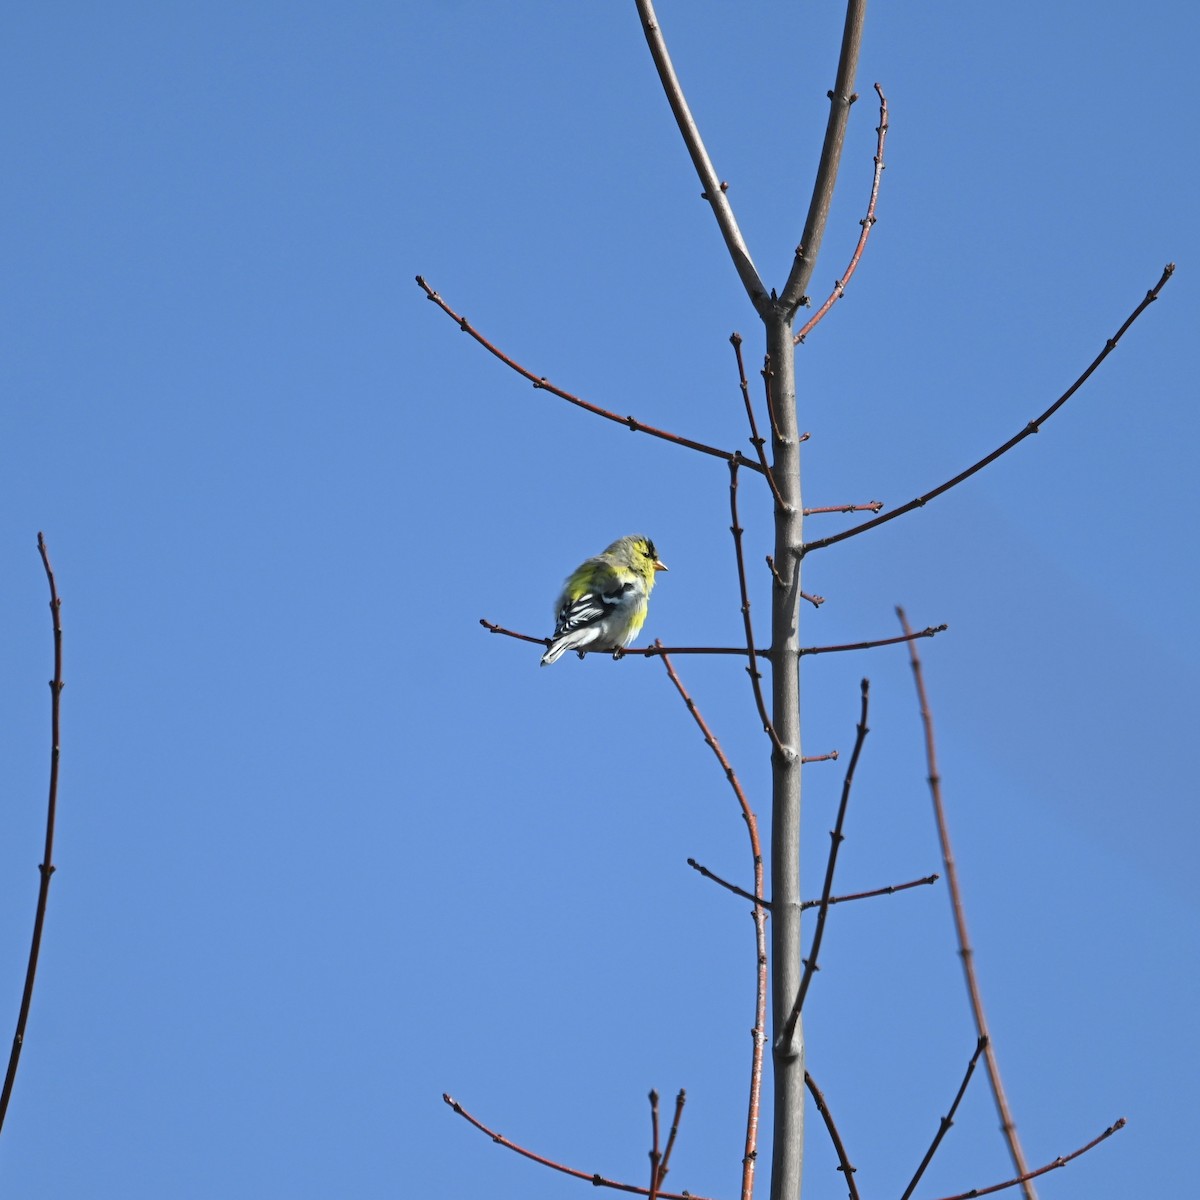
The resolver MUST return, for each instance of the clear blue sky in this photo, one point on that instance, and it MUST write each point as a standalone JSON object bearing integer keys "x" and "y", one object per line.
{"x": 327, "y": 848}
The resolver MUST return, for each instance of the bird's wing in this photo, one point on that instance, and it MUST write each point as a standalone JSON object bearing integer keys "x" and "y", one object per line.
{"x": 581, "y": 605}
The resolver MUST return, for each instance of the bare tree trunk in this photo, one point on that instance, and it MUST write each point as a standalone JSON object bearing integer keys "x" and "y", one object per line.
{"x": 787, "y": 1147}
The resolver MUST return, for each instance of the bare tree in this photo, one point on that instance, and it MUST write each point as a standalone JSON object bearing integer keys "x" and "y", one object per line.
{"x": 781, "y": 968}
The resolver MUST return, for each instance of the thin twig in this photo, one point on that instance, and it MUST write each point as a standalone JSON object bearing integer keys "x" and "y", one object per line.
{"x": 870, "y": 506}
{"x": 592, "y": 1178}
{"x": 680, "y": 1101}
{"x": 924, "y": 881}
{"x": 769, "y": 396}
{"x": 1032, "y": 427}
{"x": 945, "y": 1123}
{"x": 759, "y": 1032}
{"x": 1061, "y": 1161}
{"x": 756, "y": 439}
{"x": 752, "y": 669}
{"x": 729, "y": 887}
{"x": 655, "y": 1153}
{"x": 46, "y": 867}
{"x": 832, "y": 756}
{"x": 839, "y": 1147}
{"x": 974, "y": 993}
{"x": 867, "y": 223}
{"x": 840, "y": 99}
{"x": 836, "y": 837}
{"x": 714, "y": 188}
{"x": 929, "y": 631}
{"x": 543, "y": 384}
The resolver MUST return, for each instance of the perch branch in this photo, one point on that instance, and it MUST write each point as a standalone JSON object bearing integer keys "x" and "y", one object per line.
{"x": 867, "y": 223}
{"x": 545, "y": 385}
{"x": 974, "y": 993}
{"x": 1032, "y": 427}
{"x": 929, "y": 631}
{"x": 46, "y": 867}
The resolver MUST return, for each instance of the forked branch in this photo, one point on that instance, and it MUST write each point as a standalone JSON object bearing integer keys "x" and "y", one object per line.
{"x": 596, "y": 1180}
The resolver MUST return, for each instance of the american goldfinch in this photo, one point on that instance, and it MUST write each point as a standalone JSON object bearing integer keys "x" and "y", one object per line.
{"x": 603, "y": 603}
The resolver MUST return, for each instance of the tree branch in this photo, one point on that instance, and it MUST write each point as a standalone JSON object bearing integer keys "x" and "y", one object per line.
{"x": 543, "y": 384}
{"x": 714, "y": 189}
{"x": 844, "y": 1164}
{"x": 836, "y": 837}
{"x": 594, "y": 1179}
{"x": 46, "y": 867}
{"x": 946, "y": 1121}
{"x": 974, "y": 993}
{"x": 1032, "y": 427}
{"x": 840, "y": 100}
{"x": 1061, "y": 1161}
{"x": 867, "y": 223}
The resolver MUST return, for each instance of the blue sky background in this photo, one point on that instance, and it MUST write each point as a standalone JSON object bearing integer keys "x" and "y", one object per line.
{"x": 327, "y": 848}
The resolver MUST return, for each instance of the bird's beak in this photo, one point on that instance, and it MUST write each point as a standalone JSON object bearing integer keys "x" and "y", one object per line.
{"x": 659, "y": 566}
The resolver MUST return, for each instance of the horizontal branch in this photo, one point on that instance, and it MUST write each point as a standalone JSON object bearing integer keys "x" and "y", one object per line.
{"x": 1032, "y": 427}
{"x": 594, "y": 1179}
{"x": 870, "y": 506}
{"x": 656, "y": 650}
{"x": 929, "y": 631}
{"x": 543, "y": 384}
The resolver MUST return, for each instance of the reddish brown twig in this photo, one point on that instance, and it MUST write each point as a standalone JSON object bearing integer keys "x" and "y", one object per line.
{"x": 836, "y": 837}
{"x": 815, "y": 601}
{"x": 924, "y": 881}
{"x": 46, "y": 867}
{"x": 870, "y": 506}
{"x": 759, "y": 1032}
{"x": 832, "y": 756}
{"x": 1032, "y": 427}
{"x": 839, "y": 1147}
{"x": 594, "y": 1179}
{"x": 752, "y": 668}
{"x": 966, "y": 953}
{"x": 680, "y": 1101}
{"x": 544, "y": 384}
{"x": 946, "y": 1121}
{"x": 1060, "y": 1161}
{"x": 756, "y": 439}
{"x": 929, "y": 631}
{"x": 867, "y": 223}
